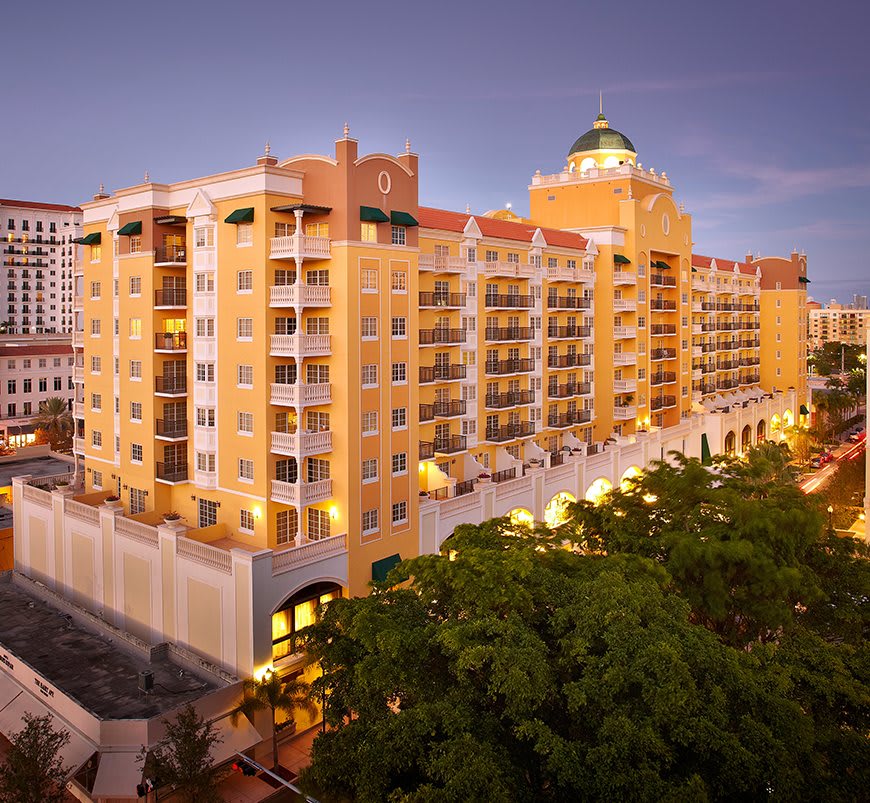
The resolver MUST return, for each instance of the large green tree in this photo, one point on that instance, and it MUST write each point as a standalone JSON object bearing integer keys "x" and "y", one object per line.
{"x": 514, "y": 668}
{"x": 33, "y": 771}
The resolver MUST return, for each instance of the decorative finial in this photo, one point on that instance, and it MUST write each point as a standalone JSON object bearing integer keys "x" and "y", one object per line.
{"x": 102, "y": 188}
{"x": 600, "y": 102}
{"x": 346, "y": 130}
{"x": 407, "y": 144}
{"x": 467, "y": 209}
{"x": 147, "y": 177}
{"x": 682, "y": 207}
{"x": 268, "y": 149}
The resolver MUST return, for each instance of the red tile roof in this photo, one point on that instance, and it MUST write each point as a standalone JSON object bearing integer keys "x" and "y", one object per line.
{"x": 699, "y": 261}
{"x": 490, "y": 227}
{"x": 29, "y": 350}
{"x": 38, "y": 205}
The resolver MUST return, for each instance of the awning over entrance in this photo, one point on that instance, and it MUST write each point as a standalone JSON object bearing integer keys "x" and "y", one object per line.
{"x": 381, "y": 568}
{"x": 804, "y": 410}
{"x": 235, "y": 739}
{"x": 117, "y": 776}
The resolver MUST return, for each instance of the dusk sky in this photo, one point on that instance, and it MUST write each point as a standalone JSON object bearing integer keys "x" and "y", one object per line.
{"x": 759, "y": 112}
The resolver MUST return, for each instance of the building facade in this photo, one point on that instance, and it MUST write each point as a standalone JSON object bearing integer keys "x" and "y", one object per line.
{"x": 39, "y": 259}
{"x": 837, "y": 323}
{"x": 320, "y": 376}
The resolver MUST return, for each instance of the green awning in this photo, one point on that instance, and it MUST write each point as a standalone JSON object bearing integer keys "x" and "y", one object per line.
{"x": 804, "y": 410}
{"x": 381, "y": 568}
{"x": 371, "y": 214}
{"x": 803, "y": 280}
{"x": 705, "y": 449}
{"x": 621, "y": 260}
{"x": 403, "y": 219}
{"x": 694, "y": 270}
{"x": 90, "y": 239}
{"x": 662, "y": 265}
{"x": 131, "y": 228}
{"x": 245, "y": 215}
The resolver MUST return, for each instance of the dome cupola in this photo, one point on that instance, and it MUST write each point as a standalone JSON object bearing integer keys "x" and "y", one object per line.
{"x": 601, "y": 146}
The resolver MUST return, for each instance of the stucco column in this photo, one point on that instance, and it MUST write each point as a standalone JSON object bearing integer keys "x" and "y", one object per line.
{"x": 167, "y": 534}
{"x": 18, "y": 521}
{"x": 112, "y": 608}
{"x": 58, "y": 506}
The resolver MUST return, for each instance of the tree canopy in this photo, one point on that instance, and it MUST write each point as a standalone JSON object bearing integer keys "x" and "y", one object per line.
{"x": 674, "y": 643}
{"x": 33, "y": 771}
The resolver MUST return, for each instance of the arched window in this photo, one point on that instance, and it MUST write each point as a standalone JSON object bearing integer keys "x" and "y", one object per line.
{"x": 730, "y": 443}
{"x": 297, "y": 612}
{"x": 588, "y": 164}
{"x": 761, "y": 431}
{"x": 746, "y": 439}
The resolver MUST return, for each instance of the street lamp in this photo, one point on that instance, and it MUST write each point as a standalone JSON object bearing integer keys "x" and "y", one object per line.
{"x": 830, "y": 517}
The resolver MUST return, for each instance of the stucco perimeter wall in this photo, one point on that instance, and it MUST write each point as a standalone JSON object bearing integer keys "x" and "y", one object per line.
{"x": 579, "y": 472}
{"x": 160, "y": 586}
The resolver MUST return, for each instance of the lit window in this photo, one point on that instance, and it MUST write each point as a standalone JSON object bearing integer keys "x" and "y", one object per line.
{"x": 135, "y": 328}
{"x": 369, "y": 232}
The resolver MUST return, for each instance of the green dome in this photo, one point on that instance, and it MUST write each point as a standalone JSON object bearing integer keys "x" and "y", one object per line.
{"x": 602, "y": 139}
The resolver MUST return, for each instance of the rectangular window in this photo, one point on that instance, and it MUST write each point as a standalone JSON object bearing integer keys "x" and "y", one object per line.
{"x": 135, "y": 411}
{"x": 203, "y": 237}
{"x": 369, "y": 281}
{"x": 204, "y": 327}
{"x": 400, "y": 327}
{"x": 400, "y": 512}
{"x": 369, "y": 423}
{"x": 319, "y": 525}
{"x": 399, "y": 281}
{"x": 245, "y": 375}
{"x": 96, "y": 364}
{"x": 207, "y": 510}
{"x": 136, "y": 369}
{"x": 244, "y": 234}
{"x": 400, "y": 372}
{"x": 204, "y": 282}
{"x": 492, "y": 256}
{"x": 137, "y": 501}
{"x": 205, "y": 416}
{"x": 96, "y": 289}
{"x": 246, "y": 470}
{"x": 245, "y": 423}
{"x": 400, "y": 463}
{"x": 370, "y": 521}
{"x": 399, "y": 235}
{"x": 135, "y": 328}
{"x": 96, "y": 327}
{"x": 135, "y": 244}
{"x": 400, "y": 417}
{"x": 205, "y": 461}
{"x": 204, "y": 372}
{"x": 136, "y": 452}
{"x": 317, "y": 230}
{"x": 96, "y": 400}
{"x": 244, "y": 281}
{"x": 244, "y": 328}
{"x": 246, "y": 521}
{"x": 96, "y": 439}
{"x": 368, "y": 232}
{"x": 286, "y": 524}
{"x": 136, "y": 286}
{"x": 369, "y": 327}
{"x": 370, "y": 469}
{"x": 97, "y": 480}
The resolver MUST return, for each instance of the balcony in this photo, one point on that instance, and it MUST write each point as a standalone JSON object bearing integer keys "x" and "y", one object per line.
{"x": 299, "y": 345}
{"x": 170, "y": 385}
{"x": 451, "y": 408}
{"x": 170, "y": 299}
{"x": 441, "y": 300}
{"x": 441, "y": 373}
{"x": 626, "y": 413}
{"x": 512, "y": 398}
{"x": 171, "y": 473}
{"x": 450, "y": 444}
{"x": 170, "y": 256}
{"x": 569, "y": 389}
{"x": 625, "y": 358}
{"x": 566, "y": 274}
{"x": 301, "y": 493}
{"x": 662, "y": 402}
{"x": 568, "y": 332}
{"x": 521, "y": 365}
{"x": 556, "y": 361}
{"x": 727, "y": 365}
{"x": 170, "y": 430}
{"x": 509, "y": 269}
{"x": 78, "y": 339}
{"x": 299, "y": 246}
{"x": 662, "y": 305}
{"x": 708, "y": 368}
{"x": 78, "y": 409}
{"x": 727, "y": 326}
{"x": 569, "y": 419}
{"x": 624, "y": 305}
{"x": 706, "y": 348}
{"x": 663, "y": 329}
{"x": 750, "y": 379}
{"x": 508, "y": 301}
{"x": 170, "y": 342}
{"x": 726, "y": 384}
{"x": 661, "y": 280}
{"x": 509, "y": 432}
{"x": 569, "y": 302}
{"x": 300, "y": 295}
{"x": 508, "y": 334}
{"x": 442, "y": 264}
{"x": 662, "y": 354}
{"x": 663, "y": 378}
{"x": 301, "y": 444}
{"x": 300, "y": 395}
{"x": 79, "y": 445}
{"x": 624, "y": 277}
{"x": 441, "y": 336}
{"x": 624, "y": 332}
{"x": 624, "y": 385}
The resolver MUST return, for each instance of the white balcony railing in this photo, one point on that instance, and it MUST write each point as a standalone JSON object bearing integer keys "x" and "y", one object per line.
{"x": 300, "y": 345}
{"x": 311, "y": 551}
{"x": 301, "y": 493}
{"x": 291, "y": 444}
{"x": 298, "y": 395}
{"x": 510, "y": 269}
{"x": 442, "y": 264}
{"x": 624, "y": 385}
{"x": 624, "y": 332}
{"x": 624, "y": 305}
{"x": 78, "y": 374}
{"x": 625, "y": 358}
{"x": 78, "y": 339}
{"x": 303, "y": 295}
{"x": 624, "y": 413}
{"x": 78, "y": 409}
{"x": 566, "y": 274}
{"x": 624, "y": 277}
{"x": 79, "y": 445}
{"x": 297, "y": 246}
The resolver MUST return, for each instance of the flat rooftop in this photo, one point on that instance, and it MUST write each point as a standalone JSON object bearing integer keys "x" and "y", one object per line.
{"x": 99, "y": 675}
{"x": 43, "y": 466}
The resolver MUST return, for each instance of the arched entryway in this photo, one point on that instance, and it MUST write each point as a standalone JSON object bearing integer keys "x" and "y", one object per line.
{"x": 630, "y": 474}
{"x": 775, "y": 424}
{"x": 730, "y": 443}
{"x": 521, "y": 516}
{"x": 556, "y": 511}
{"x": 787, "y": 419}
{"x": 761, "y": 431}
{"x": 746, "y": 439}
{"x": 598, "y": 489}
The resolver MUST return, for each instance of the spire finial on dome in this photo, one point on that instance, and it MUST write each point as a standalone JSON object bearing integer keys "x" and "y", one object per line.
{"x": 601, "y": 120}
{"x": 346, "y": 130}
{"x": 102, "y": 188}
{"x": 600, "y": 102}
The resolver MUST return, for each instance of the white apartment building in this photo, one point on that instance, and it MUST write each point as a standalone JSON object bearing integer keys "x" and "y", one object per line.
{"x": 39, "y": 256}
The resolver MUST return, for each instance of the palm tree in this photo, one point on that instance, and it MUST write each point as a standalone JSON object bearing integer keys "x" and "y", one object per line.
{"x": 273, "y": 694}
{"x": 55, "y": 420}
